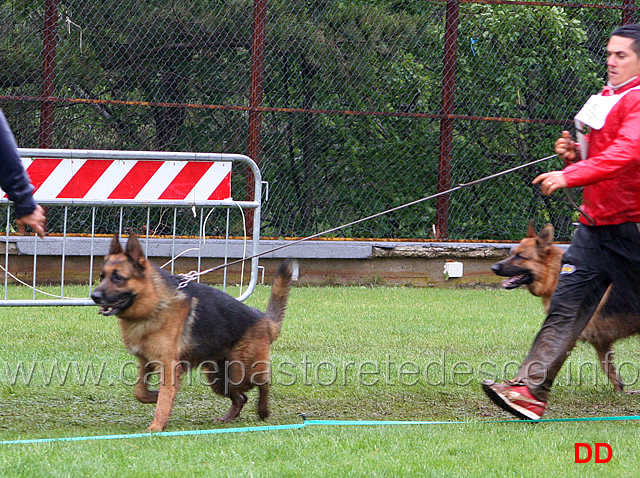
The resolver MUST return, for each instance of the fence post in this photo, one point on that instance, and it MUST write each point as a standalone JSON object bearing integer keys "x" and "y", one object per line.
{"x": 446, "y": 124}
{"x": 628, "y": 12}
{"x": 48, "y": 71}
{"x": 256, "y": 90}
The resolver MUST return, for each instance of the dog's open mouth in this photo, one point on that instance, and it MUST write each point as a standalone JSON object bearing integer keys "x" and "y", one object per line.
{"x": 115, "y": 308}
{"x": 516, "y": 281}
{"x": 107, "y": 310}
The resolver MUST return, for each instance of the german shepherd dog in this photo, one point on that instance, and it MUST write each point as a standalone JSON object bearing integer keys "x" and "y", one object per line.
{"x": 536, "y": 263}
{"x": 171, "y": 329}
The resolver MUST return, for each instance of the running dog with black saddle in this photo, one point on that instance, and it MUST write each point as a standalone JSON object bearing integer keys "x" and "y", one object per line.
{"x": 536, "y": 263}
{"x": 171, "y": 329}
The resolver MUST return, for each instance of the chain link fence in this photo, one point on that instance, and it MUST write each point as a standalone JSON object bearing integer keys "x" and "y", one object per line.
{"x": 349, "y": 107}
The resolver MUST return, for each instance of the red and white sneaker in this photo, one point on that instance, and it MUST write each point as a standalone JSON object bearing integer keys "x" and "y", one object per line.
{"x": 515, "y": 399}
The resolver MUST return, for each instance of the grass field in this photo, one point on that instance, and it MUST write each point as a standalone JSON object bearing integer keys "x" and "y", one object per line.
{"x": 345, "y": 353}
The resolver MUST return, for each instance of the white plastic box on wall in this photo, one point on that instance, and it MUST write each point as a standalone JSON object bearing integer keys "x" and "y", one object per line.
{"x": 453, "y": 269}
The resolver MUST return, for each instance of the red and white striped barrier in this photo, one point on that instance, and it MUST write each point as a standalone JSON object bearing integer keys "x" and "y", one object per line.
{"x": 135, "y": 180}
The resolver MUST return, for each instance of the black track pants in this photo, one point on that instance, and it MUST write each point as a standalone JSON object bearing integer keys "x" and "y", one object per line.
{"x": 597, "y": 257}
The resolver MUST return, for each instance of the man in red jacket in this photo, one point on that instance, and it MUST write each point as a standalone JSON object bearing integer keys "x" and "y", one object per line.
{"x": 606, "y": 246}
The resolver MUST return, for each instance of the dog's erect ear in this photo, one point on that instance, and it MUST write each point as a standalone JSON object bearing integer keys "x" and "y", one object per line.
{"x": 134, "y": 250}
{"x": 115, "y": 247}
{"x": 531, "y": 229}
{"x": 545, "y": 238}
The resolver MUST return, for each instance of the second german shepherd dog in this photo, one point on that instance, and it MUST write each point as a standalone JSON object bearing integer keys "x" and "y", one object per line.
{"x": 171, "y": 329}
{"x": 536, "y": 263}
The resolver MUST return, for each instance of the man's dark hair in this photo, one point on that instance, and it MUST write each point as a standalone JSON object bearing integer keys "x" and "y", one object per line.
{"x": 630, "y": 31}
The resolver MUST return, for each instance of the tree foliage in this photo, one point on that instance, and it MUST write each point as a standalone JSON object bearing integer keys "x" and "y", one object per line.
{"x": 342, "y": 79}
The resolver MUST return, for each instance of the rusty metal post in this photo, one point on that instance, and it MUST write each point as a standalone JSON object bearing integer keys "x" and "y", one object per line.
{"x": 446, "y": 124}
{"x": 628, "y": 12}
{"x": 256, "y": 88}
{"x": 48, "y": 71}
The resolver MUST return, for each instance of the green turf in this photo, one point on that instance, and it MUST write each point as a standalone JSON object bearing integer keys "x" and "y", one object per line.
{"x": 348, "y": 353}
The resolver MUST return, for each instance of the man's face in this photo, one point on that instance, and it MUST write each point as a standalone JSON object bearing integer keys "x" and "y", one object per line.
{"x": 622, "y": 61}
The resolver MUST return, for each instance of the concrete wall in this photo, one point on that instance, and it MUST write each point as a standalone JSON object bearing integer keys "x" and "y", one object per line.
{"x": 320, "y": 262}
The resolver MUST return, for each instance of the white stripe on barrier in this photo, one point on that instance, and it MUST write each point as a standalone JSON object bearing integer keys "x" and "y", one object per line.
{"x": 110, "y": 179}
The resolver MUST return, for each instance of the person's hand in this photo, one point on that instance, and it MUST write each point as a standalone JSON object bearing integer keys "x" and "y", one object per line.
{"x": 550, "y": 182}
{"x": 566, "y": 147}
{"x": 36, "y": 221}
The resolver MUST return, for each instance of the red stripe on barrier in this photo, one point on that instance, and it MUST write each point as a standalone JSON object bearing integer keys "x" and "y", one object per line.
{"x": 135, "y": 180}
{"x": 186, "y": 180}
{"x": 40, "y": 169}
{"x": 223, "y": 191}
{"x": 84, "y": 179}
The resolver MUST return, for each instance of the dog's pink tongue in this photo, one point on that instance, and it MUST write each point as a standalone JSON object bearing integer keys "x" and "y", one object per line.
{"x": 509, "y": 282}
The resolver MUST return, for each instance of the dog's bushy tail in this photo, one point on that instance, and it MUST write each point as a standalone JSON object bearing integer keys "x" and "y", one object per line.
{"x": 278, "y": 300}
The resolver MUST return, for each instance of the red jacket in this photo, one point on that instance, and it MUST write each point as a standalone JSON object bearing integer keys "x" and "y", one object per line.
{"x": 611, "y": 173}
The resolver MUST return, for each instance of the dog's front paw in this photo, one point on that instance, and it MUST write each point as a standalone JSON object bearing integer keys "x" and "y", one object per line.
{"x": 156, "y": 427}
{"x": 223, "y": 419}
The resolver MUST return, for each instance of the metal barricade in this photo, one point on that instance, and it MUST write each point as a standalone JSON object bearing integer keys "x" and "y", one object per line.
{"x": 94, "y": 179}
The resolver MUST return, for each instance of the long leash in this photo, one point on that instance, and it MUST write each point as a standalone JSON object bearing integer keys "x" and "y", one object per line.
{"x": 193, "y": 275}
{"x": 575, "y": 206}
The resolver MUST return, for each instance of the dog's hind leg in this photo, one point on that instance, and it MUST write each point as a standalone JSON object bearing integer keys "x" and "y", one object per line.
{"x": 263, "y": 401}
{"x": 233, "y": 385}
{"x": 261, "y": 377}
{"x": 605, "y": 355}
{"x": 238, "y": 399}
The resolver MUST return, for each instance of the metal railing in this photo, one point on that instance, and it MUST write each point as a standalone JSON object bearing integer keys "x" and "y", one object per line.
{"x": 89, "y": 243}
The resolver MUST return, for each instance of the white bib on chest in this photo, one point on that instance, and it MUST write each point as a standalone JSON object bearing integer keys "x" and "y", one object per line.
{"x": 593, "y": 114}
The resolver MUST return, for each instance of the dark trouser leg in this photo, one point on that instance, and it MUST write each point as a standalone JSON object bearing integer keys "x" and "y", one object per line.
{"x": 582, "y": 284}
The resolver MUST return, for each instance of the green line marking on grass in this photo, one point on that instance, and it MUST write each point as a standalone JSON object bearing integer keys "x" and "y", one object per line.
{"x": 305, "y": 424}
{"x": 157, "y": 434}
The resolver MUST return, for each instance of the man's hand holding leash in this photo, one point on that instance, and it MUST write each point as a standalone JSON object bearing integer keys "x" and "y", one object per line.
{"x": 554, "y": 180}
